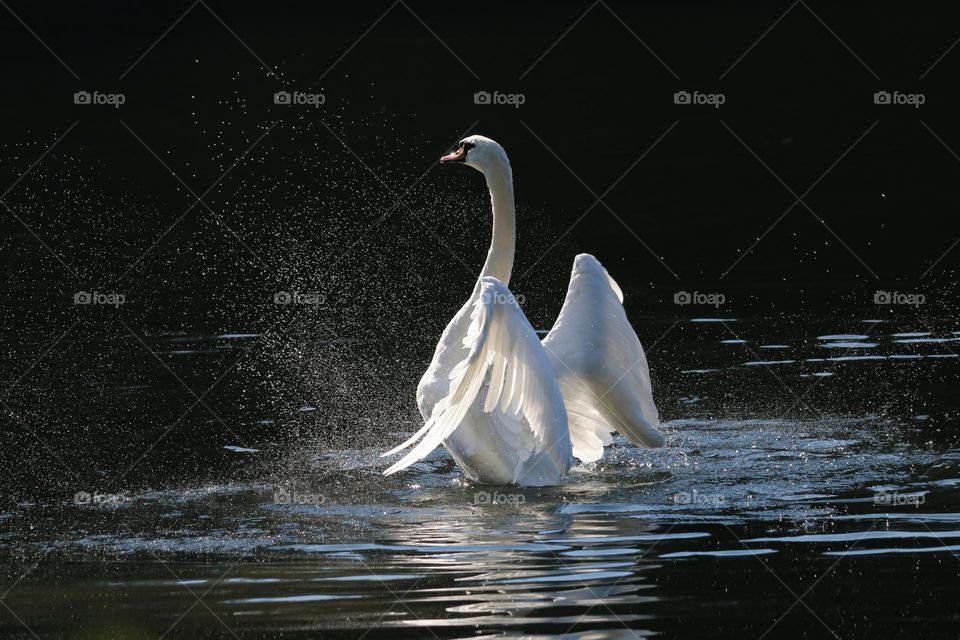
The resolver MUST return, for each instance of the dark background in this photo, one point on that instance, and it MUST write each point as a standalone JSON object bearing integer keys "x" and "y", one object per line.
{"x": 313, "y": 205}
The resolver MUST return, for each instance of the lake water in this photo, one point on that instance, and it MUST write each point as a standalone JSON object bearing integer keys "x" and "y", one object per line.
{"x": 796, "y": 526}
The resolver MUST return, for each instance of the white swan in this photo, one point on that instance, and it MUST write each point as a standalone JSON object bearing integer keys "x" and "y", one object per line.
{"x": 509, "y": 408}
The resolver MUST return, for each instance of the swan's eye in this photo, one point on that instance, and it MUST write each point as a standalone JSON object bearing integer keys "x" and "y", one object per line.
{"x": 467, "y": 145}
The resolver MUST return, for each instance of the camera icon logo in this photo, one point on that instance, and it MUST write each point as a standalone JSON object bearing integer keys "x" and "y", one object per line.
{"x": 682, "y": 297}
{"x": 82, "y": 297}
{"x": 282, "y": 297}
{"x": 482, "y": 97}
{"x": 881, "y": 97}
{"x": 282, "y": 97}
{"x": 482, "y": 497}
{"x": 882, "y": 297}
{"x": 681, "y": 97}
{"x": 81, "y": 97}
{"x": 682, "y": 497}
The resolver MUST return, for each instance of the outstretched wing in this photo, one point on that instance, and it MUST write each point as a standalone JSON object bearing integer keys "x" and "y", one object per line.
{"x": 600, "y": 365}
{"x": 522, "y": 383}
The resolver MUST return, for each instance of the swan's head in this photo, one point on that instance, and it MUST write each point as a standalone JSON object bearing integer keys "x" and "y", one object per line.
{"x": 479, "y": 152}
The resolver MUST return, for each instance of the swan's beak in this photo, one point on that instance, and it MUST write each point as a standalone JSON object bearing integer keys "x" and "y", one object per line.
{"x": 454, "y": 156}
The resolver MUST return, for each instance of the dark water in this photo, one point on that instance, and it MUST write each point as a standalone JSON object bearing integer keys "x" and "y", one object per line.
{"x": 201, "y": 460}
{"x": 722, "y": 532}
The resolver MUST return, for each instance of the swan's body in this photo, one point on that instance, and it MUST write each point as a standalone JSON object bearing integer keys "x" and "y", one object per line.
{"x": 509, "y": 408}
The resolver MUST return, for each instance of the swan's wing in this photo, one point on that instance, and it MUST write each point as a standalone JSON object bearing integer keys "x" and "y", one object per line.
{"x": 521, "y": 387}
{"x": 435, "y": 383}
{"x": 600, "y": 365}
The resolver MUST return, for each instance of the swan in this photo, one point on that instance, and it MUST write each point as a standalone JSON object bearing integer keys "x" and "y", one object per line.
{"x": 512, "y": 409}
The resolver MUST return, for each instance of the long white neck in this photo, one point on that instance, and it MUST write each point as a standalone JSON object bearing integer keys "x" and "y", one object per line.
{"x": 499, "y": 262}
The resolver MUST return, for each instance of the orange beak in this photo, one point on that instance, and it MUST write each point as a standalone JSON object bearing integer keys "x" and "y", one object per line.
{"x": 454, "y": 156}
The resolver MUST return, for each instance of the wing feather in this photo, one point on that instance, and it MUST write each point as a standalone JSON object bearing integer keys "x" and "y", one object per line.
{"x": 601, "y": 366}
{"x": 503, "y": 351}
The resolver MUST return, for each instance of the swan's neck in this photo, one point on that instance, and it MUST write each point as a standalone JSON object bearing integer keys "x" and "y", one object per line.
{"x": 499, "y": 262}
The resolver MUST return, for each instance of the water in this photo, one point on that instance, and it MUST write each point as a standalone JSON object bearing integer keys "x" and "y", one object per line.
{"x": 212, "y": 469}
{"x": 646, "y": 542}
{"x": 764, "y": 526}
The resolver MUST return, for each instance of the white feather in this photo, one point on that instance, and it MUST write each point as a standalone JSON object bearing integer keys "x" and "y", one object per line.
{"x": 501, "y": 342}
{"x": 601, "y": 366}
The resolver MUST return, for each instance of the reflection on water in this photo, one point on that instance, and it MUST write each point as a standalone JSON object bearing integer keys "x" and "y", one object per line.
{"x": 646, "y": 542}
{"x": 723, "y": 531}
